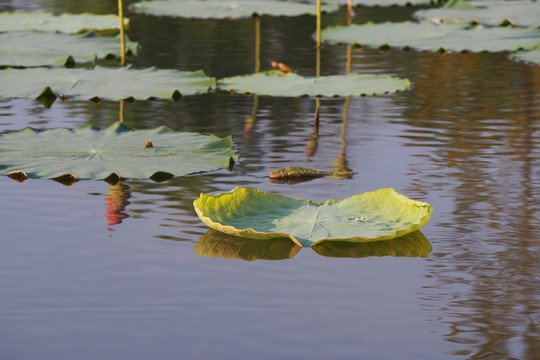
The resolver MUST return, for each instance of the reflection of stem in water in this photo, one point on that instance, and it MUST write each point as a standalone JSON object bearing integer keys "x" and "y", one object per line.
{"x": 341, "y": 161}
{"x": 250, "y": 119}
{"x": 121, "y": 112}
{"x": 313, "y": 142}
{"x": 122, "y": 37}
{"x": 116, "y": 202}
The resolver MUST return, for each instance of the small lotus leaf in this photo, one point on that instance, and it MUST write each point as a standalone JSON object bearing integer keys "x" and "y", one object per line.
{"x": 432, "y": 37}
{"x": 24, "y": 49}
{"x": 277, "y": 83}
{"x": 379, "y": 215}
{"x": 221, "y": 9}
{"x": 105, "y": 83}
{"x": 65, "y": 23}
{"x": 520, "y": 13}
{"x": 88, "y": 153}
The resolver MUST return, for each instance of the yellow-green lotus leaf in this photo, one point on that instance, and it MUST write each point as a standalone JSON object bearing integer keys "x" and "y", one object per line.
{"x": 373, "y": 216}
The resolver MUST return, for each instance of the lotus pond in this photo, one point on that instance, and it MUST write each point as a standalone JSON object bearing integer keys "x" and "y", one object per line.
{"x": 127, "y": 270}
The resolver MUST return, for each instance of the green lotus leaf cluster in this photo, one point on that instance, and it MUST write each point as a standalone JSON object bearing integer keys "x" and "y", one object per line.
{"x": 232, "y": 9}
{"x": 374, "y": 216}
{"x": 520, "y": 13}
{"x": 277, "y": 83}
{"x": 88, "y": 153}
{"x": 103, "y": 83}
{"x": 27, "y": 49}
{"x": 64, "y": 23}
{"x": 428, "y": 36}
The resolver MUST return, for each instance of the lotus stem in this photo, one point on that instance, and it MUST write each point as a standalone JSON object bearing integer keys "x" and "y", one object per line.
{"x": 257, "y": 44}
{"x": 318, "y": 23}
{"x": 350, "y": 12}
{"x": 122, "y": 36}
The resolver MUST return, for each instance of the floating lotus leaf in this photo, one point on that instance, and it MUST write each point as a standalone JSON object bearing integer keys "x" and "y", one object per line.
{"x": 88, "y": 153}
{"x": 221, "y": 9}
{"x": 24, "y": 49}
{"x": 379, "y": 215}
{"x": 277, "y": 83}
{"x": 521, "y": 13}
{"x": 532, "y": 57}
{"x": 432, "y": 37}
{"x": 104, "y": 83}
{"x": 65, "y": 23}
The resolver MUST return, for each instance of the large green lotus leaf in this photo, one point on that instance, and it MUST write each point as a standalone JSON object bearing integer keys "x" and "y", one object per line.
{"x": 89, "y": 153}
{"x": 221, "y": 9}
{"x": 277, "y": 83}
{"x": 105, "y": 83}
{"x": 531, "y": 57}
{"x": 432, "y": 37}
{"x": 379, "y": 215}
{"x": 413, "y": 244}
{"x": 217, "y": 244}
{"x": 24, "y": 49}
{"x": 65, "y": 23}
{"x": 521, "y": 13}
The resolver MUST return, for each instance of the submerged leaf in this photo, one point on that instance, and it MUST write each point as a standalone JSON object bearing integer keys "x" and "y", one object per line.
{"x": 25, "y": 49}
{"x": 277, "y": 83}
{"x": 104, "y": 83}
{"x": 299, "y": 172}
{"x": 433, "y": 37}
{"x": 88, "y": 153}
{"x": 221, "y": 9}
{"x": 65, "y": 23}
{"x": 379, "y": 215}
{"x": 520, "y": 13}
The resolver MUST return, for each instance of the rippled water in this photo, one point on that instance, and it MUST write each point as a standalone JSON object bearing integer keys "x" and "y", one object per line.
{"x": 77, "y": 284}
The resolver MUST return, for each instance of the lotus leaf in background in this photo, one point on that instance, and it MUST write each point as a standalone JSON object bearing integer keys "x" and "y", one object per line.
{"x": 374, "y": 216}
{"x": 88, "y": 153}
{"x": 379, "y": 2}
{"x": 520, "y": 13}
{"x": 530, "y": 57}
{"x": 232, "y": 9}
{"x": 277, "y": 83}
{"x": 432, "y": 37}
{"x": 103, "y": 83}
{"x": 217, "y": 244}
{"x": 26, "y": 49}
{"x": 64, "y": 23}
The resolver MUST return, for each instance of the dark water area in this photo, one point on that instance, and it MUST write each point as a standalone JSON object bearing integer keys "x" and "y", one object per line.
{"x": 81, "y": 282}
